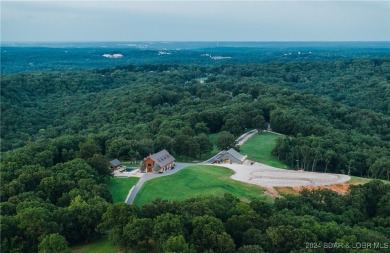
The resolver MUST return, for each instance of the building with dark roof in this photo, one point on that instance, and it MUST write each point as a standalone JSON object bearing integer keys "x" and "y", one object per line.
{"x": 158, "y": 162}
{"x": 229, "y": 156}
{"x": 114, "y": 164}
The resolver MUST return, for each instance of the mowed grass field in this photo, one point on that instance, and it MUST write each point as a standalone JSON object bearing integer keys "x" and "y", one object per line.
{"x": 259, "y": 148}
{"x": 197, "y": 180}
{"x": 119, "y": 187}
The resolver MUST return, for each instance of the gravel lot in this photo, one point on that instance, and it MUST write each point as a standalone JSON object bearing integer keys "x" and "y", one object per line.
{"x": 264, "y": 175}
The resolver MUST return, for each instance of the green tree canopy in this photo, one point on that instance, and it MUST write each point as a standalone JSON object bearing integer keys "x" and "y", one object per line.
{"x": 225, "y": 140}
{"x": 53, "y": 243}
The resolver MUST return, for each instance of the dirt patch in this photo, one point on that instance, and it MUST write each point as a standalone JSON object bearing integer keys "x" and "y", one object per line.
{"x": 339, "y": 188}
{"x": 286, "y": 191}
{"x": 271, "y": 192}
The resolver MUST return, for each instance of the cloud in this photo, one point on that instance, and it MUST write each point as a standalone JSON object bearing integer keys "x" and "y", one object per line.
{"x": 189, "y": 20}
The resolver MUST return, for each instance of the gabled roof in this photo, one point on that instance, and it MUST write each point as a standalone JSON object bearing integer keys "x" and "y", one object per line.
{"x": 162, "y": 158}
{"x": 235, "y": 154}
{"x": 115, "y": 162}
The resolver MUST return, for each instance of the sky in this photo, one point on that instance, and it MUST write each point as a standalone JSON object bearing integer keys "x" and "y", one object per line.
{"x": 310, "y": 20}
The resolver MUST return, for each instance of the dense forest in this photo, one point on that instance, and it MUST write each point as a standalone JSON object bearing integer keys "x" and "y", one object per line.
{"x": 59, "y": 129}
{"x": 315, "y": 221}
{"x": 129, "y": 112}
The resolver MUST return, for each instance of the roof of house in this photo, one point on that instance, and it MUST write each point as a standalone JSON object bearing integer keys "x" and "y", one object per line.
{"x": 235, "y": 154}
{"x": 162, "y": 158}
{"x": 231, "y": 152}
{"x": 115, "y": 162}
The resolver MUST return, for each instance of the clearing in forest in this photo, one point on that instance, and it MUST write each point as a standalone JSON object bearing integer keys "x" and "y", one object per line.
{"x": 259, "y": 147}
{"x": 197, "y": 180}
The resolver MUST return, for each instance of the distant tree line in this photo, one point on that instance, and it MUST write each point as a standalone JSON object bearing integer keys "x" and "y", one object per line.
{"x": 48, "y": 58}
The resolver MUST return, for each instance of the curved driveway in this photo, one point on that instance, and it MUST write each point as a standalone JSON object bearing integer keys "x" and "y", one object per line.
{"x": 147, "y": 177}
{"x": 243, "y": 138}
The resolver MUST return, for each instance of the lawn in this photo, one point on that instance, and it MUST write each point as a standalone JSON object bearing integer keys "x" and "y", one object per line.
{"x": 119, "y": 187}
{"x": 259, "y": 148}
{"x": 101, "y": 245}
{"x": 197, "y": 180}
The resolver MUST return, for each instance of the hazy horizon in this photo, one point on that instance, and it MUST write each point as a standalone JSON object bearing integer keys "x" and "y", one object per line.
{"x": 198, "y": 21}
{"x": 197, "y": 41}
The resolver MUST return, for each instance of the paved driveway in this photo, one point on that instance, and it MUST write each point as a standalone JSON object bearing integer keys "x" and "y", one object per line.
{"x": 146, "y": 177}
{"x": 243, "y": 138}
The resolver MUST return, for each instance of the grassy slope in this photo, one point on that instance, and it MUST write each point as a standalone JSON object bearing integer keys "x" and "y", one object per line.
{"x": 259, "y": 148}
{"x": 194, "y": 181}
{"x": 119, "y": 187}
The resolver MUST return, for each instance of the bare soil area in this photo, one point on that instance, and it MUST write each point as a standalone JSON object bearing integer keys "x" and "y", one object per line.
{"x": 339, "y": 188}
